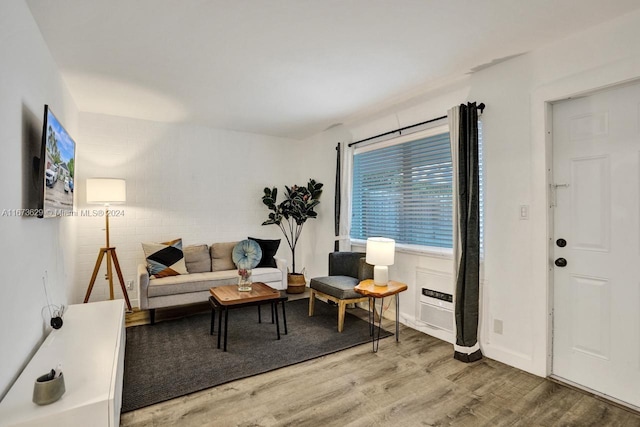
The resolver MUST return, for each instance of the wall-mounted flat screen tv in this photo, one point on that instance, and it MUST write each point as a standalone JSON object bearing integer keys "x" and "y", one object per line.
{"x": 57, "y": 168}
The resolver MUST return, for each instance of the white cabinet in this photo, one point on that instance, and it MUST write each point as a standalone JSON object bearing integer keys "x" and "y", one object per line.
{"x": 90, "y": 347}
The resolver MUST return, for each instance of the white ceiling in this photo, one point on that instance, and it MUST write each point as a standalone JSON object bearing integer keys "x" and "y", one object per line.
{"x": 287, "y": 67}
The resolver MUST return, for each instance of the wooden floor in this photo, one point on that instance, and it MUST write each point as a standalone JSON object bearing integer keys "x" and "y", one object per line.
{"x": 415, "y": 382}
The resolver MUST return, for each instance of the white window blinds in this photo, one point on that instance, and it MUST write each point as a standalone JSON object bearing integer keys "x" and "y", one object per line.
{"x": 403, "y": 191}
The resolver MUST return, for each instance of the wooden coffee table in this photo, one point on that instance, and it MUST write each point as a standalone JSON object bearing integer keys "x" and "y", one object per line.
{"x": 224, "y": 298}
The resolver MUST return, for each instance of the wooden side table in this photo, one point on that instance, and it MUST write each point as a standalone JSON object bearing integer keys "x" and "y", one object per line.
{"x": 369, "y": 289}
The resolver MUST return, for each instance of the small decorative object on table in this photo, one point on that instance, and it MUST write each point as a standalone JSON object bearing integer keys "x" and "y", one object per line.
{"x": 244, "y": 281}
{"x": 49, "y": 387}
{"x": 246, "y": 255}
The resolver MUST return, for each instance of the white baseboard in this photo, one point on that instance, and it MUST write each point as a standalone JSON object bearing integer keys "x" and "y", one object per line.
{"x": 441, "y": 334}
{"x": 512, "y": 358}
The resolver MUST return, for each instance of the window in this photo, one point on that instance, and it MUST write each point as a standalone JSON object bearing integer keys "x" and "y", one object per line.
{"x": 402, "y": 189}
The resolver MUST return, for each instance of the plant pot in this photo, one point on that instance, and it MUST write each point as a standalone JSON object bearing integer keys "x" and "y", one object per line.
{"x": 296, "y": 283}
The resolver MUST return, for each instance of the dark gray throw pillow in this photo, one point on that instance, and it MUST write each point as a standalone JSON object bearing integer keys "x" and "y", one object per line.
{"x": 269, "y": 249}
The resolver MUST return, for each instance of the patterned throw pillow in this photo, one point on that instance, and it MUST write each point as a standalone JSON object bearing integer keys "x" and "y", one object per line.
{"x": 165, "y": 259}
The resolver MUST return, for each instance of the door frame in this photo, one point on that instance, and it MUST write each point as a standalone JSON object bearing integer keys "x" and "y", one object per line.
{"x": 542, "y": 100}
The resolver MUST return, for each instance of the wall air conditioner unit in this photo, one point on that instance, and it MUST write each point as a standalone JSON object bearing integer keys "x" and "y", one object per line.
{"x": 435, "y": 301}
{"x": 436, "y": 309}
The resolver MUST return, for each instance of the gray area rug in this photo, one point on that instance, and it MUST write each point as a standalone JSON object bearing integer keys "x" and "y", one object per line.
{"x": 178, "y": 357}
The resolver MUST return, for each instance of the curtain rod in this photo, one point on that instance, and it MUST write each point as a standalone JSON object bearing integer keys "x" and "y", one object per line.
{"x": 479, "y": 107}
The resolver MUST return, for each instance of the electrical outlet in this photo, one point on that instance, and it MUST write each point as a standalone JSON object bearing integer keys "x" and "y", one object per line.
{"x": 130, "y": 285}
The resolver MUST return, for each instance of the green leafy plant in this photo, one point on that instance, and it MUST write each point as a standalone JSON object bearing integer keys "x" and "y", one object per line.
{"x": 291, "y": 214}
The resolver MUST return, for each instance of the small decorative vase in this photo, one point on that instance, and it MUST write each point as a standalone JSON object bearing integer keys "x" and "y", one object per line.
{"x": 244, "y": 281}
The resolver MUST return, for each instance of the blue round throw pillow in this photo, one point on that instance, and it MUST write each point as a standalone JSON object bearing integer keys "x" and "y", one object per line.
{"x": 246, "y": 254}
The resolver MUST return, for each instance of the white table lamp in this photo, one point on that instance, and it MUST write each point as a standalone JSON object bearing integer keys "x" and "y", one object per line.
{"x": 381, "y": 254}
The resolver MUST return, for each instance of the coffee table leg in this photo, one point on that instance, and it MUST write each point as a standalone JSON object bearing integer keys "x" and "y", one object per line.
{"x": 275, "y": 310}
{"x": 226, "y": 324}
{"x": 219, "y": 325}
{"x": 272, "y": 311}
{"x": 284, "y": 317}
{"x": 213, "y": 320}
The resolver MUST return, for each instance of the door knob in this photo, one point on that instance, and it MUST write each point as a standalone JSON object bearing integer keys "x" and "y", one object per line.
{"x": 561, "y": 262}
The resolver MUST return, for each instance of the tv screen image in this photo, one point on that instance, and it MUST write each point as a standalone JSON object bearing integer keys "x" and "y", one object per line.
{"x": 58, "y": 167}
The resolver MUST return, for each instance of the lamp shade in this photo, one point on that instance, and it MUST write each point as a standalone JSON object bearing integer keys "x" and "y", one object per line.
{"x": 106, "y": 190}
{"x": 380, "y": 251}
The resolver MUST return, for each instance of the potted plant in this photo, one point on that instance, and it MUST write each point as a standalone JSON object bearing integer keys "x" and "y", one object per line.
{"x": 290, "y": 215}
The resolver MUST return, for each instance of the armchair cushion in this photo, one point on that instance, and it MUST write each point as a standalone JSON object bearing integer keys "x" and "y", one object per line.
{"x": 346, "y": 270}
{"x": 351, "y": 264}
{"x": 340, "y": 287}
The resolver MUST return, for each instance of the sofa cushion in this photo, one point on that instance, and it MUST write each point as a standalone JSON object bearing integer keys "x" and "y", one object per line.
{"x": 203, "y": 281}
{"x": 221, "y": 256}
{"x": 246, "y": 254}
{"x": 269, "y": 249}
{"x": 165, "y": 259}
{"x": 266, "y": 275}
{"x": 340, "y": 287}
{"x": 197, "y": 258}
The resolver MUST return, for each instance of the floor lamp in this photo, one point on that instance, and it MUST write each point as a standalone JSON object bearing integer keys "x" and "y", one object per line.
{"x": 106, "y": 191}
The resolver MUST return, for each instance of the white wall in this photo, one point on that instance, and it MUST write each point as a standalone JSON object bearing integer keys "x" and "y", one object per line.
{"x": 205, "y": 185}
{"x": 29, "y": 79}
{"x": 201, "y": 184}
{"x": 516, "y": 283}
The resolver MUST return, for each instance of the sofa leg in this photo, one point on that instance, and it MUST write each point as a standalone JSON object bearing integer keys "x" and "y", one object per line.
{"x": 152, "y": 316}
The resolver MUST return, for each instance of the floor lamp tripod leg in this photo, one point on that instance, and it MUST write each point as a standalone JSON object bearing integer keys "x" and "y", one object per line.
{"x": 95, "y": 274}
{"x": 119, "y": 272}
{"x": 110, "y": 272}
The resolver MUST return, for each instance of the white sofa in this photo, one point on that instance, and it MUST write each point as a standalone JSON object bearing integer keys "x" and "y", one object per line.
{"x": 194, "y": 287}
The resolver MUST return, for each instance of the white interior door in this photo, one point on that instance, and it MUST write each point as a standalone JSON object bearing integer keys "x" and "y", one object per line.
{"x": 596, "y": 329}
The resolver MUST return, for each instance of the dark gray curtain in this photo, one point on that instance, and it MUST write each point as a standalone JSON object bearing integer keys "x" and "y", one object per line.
{"x": 336, "y": 245}
{"x": 468, "y": 281}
